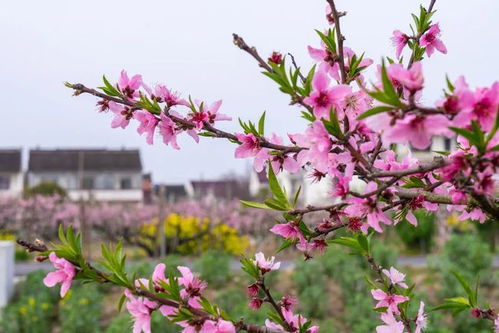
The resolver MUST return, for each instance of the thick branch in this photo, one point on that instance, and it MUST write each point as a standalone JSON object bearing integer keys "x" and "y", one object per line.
{"x": 437, "y": 162}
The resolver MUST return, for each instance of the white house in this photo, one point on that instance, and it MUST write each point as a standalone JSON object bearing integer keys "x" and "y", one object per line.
{"x": 97, "y": 174}
{"x": 11, "y": 175}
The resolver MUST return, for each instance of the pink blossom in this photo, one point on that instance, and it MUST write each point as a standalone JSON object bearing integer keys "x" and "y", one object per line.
{"x": 220, "y": 326}
{"x": 167, "y": 129}
{"x": 355, "y": 104}
{"x": 192, "y": 286}
{"x": 324, "y": 97}
{"x": 412, "y": 129}
{"x": 129, "y": 87}
{"x": 400, "y": 40}
{"x": 388, "y": 300}
{"x": 163, "y": 94}
{"x": 147, "y": 125}
{"x": 411, "y": 79}
{"x": 308, "y": 248}
{"x": 64, "y": 274}
{"x": 421, "y": 320}
{"x": 209, "y": 114}
{"x": 249, "y": 146}
{"x": 392, "y": 324}
{"x": 158, "y": 276}
{"x": 341, "y": 186}
{"x": 496, "y": 324}
{"x": 140, "y": 309}
{"x": 475, "y": 214}
{"x": 294, "y": 322}
{"x": 481, "y": 106}
{"x": 266, "y": 265}
{"x": 318, "y": 140}
{"x": 287, "y": 230}
{"x": 458, "y": 163}
{"x": 122, "y": 115}
{"x": 288, "y": 302}
{"x": 367, "y": 207}
{"x": 431, "y": 40}
{"x": 282, "y": 161}
{"x": 396, "y": 278}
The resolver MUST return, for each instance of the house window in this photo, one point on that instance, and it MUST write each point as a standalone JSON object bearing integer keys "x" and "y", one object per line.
{"x": 125, "y": 183}
{"x": 108, "y": 183}
{"x": 447, "y": 144}
{"x": 4, "y": 182}
{"x": 88, "y": 183}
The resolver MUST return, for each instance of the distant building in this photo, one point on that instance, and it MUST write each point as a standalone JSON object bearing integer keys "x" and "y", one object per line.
{"x": 218, "y": 189}
{"x": 11, "y": 175}
{"x": 97, "y": 174}
{"x": 172, "y": 192}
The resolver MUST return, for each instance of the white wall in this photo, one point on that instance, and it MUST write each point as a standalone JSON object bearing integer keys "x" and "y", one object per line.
{"x": 6, "y": 271}
{"x": 132, "y": 195}
{"x": 15, "y": 186}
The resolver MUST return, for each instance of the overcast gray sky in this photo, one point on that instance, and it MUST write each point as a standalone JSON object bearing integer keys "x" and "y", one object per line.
{"x": 187, "y": 45}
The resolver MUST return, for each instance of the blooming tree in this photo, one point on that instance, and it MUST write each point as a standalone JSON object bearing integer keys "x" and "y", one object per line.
{"x": 351, "y": 126}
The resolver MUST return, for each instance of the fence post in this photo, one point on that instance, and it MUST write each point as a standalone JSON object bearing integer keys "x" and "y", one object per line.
{"x": 6, "y": 271}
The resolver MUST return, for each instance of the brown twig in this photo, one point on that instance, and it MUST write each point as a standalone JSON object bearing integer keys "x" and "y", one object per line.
{"x": 139, "y": 291}
{"x": 240, "y": 43}
{"x": 340, "y": 38}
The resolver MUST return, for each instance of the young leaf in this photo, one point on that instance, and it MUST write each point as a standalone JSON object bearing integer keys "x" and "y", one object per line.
{"x": 276, "y": 189}
{"x": 373, "y": 111}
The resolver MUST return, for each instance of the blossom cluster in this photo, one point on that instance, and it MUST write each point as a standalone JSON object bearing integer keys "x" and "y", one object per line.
{"x": 351, "y": 133}
{"x": 140, "y": 299}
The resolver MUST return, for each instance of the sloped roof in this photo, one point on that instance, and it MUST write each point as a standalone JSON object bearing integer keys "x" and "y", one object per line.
{"x": 89, "y": 159}
{"x": 10, "y": 160}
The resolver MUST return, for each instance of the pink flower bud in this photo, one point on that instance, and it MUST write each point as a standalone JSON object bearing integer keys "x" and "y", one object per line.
{"x": 252, "y": 290}
{"x": 255, "y": 303}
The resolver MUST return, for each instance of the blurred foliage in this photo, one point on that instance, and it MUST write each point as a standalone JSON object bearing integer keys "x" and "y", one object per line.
{"x": 46, "y": 189}
{"x": 33, "y": 309}
{"x": 420, "y": 237}
{"x": 348, "y": 271}
{"x": 80, "y": 309}
{"x": 214, "y": 267}
{"x": 472, "y": 258}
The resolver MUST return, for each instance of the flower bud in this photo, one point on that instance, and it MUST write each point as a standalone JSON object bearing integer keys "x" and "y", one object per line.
{"x": 475, "y": 312}
{"x": 252, "y": 290}
{"x": 255, "y": 303}
{"x": 276, "y": 58}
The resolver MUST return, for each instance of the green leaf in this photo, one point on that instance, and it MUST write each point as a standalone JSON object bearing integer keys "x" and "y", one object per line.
{"x": 285, "y": 244}
{"x": 388, "y": 88}
{"x": 472, "y": 137}
{"x": 297, "y": 195}
{"x": 261, "y": 125}
{"x": 274, "y": 204}
{"x": 346, "y": 241}
{"x": 121, "y": 302}
{"x": 450, "y": 86}
{"x": 460, "y": 300}
{"x": 466, "y": 286}
{"x": 332, "y": 125}
{"x": 276, "y": 189}
{"x": 374, "y": 110}
{"x": 363, "y": 242}
{"x": 254, "y": 204}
